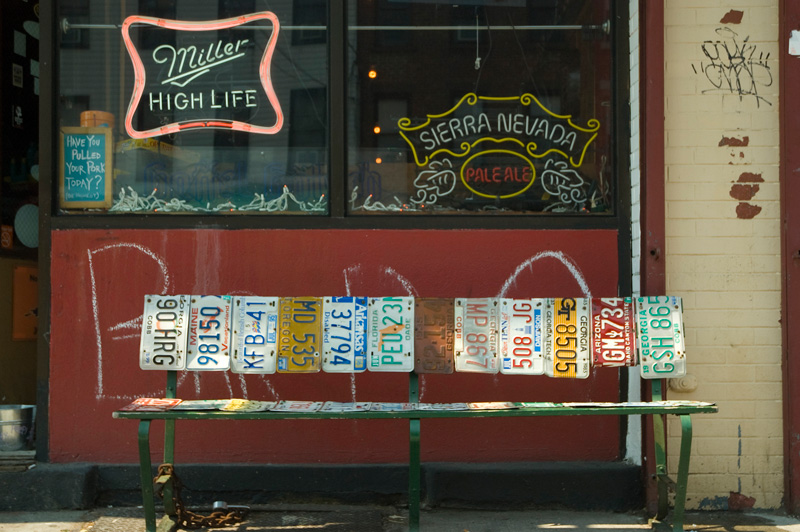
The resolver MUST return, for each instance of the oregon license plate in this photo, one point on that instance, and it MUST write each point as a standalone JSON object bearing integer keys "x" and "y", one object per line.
{"x": 569, "y": 355}
{"x": 164, "y": 326}
{"x": 660, "y": 337}
{"x": 391, "y": 333}
{"x": 209, "y": 334}
{"x": 434, "y": 330}
{"x": 299, "y": 334}
{"x": 521, "y": 336}
{"x": 612, "y": 332}
{"x": 344, "y": 334}
{"x": 477, "y": 334}
{"x": 255, "y": 335}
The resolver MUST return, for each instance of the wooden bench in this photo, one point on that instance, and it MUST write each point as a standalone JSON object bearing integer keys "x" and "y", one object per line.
{"x": 655, "y": 408}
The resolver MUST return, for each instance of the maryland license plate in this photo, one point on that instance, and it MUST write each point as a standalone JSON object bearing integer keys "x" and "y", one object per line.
{"x": 569, "y": 356}
{"x": 209, "y": 334}
{"x": 660, "y": 337}
{"x": 434, "y": 330}
{"x": 165, "y": 323}
{"x": 477, "y": 333}
{"x": 299, "y": 334}
{"x": 612, "y": 332}
{"x": 344, "y": 334}
{"x": 391, "y": 333}
{"x": 521, "y": 346}
{"x": 255, "y": 335}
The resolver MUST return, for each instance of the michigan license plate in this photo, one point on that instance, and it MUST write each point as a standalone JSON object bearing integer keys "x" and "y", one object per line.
{"x": 299, "y": 334}
{"x": 344, "y": 334}
{"x": 391, "y": 333}
{"x": 434, "y": 329}
{"x": 477, "y": 333}
{"x": 612, "y": 332}
{"x": 569, "y": 355}
{"x": 521, "y": 336}
{"x": 164, "y": 326}
{"x": 255, "y": 335}
{"x": 660, "y": 337}
{"x": 209, "y": 334}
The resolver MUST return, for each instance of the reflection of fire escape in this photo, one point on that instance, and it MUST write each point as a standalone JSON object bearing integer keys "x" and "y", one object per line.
{"x": 367, "y": 180}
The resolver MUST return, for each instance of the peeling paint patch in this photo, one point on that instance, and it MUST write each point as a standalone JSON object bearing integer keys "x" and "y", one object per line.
{"x": 713, "y": 503}
{"x": 732, "y": 141}
{"x": 743, "y": 192}
{"x": 738, "y": 502}
{"x": 733, "y": 16}
{"x": 745, "y": 211}
{"x": 749, "y": 177}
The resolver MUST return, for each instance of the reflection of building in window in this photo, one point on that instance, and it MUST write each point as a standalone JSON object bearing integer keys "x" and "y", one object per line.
{"x": 309, "y": 13}
{"x": 391, "y": 13}
{"x": 308, "y": 125}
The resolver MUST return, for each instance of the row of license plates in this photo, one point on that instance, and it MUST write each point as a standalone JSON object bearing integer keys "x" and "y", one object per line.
{"x": 557, "y": 337}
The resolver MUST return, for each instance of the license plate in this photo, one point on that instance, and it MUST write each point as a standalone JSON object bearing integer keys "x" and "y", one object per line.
{"x": 477, "y": 332}
{"x": 660, "y": 337}
{"x": 209, "y": 334}
{"x": 255, "y": 335}
{"x": 344, "y": 334}
{"x": 612, "y": 332}
{"x": 569, "y": 355}
{"x": 391, "y": 333}
{"x": 300, "y": 334}
{"x": 165, "y": 323}
{"x": 434, "y": 330}
{"x": 521, "y": 349}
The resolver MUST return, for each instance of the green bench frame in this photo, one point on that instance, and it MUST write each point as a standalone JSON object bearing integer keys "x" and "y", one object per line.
{"x": 656, "y": 408}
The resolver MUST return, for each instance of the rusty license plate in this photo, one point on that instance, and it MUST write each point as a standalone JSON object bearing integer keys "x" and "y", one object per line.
{"x": 209, "y": 346}
{"x": 255, "y": 335}
{"x": 434, "y": 330}
{"x": 612, "y": 332}
{"x": 391, "y": 333}
{"x": 660, "y": 337}
{"x": 165, "y": 323}
{"x": 569, "y": 355}
{"x": 344, "y": 334}
{"x": 477, "y": 334}
{"x": 521, "y": 345}
{"x": 299, "y": 334}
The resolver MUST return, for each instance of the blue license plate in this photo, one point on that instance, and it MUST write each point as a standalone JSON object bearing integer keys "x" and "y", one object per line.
{"x": 344, "y": 334}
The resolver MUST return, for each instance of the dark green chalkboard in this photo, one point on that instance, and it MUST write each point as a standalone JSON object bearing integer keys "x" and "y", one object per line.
{"x": 86, "y": 168}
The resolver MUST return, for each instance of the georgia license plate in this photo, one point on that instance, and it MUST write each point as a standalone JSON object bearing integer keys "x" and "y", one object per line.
{"x": 344, "y": 334}
{"x": 477, "y": 332}
{"x": 434, "y": 329}
{"x": 391, "y": 333}
{"x": 612, "y": 332}
{"x": 255, "y": 335}
{"x": 660, "y": 337}
{"x": 521, "y": 336}
{"x": 164, "y": 326}
{"x": 569, "y": 356}
{"x": 209, "y": 334}
{"x": 300, "y": 334}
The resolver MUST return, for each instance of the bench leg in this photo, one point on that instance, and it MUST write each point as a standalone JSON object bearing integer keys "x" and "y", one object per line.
{"x": 414, "y": 473}
{"x": 659, "y": 440}
{"x": 683, "y": 472}
{"x": 146, "y": 476}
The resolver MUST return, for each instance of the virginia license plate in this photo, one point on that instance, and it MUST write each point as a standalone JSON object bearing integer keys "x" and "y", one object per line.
{"x": 569, "y": 356}
{"x": 434, "y": 329}
{"x": 299, "y": 334}
{"x": 391, "y": 333}
{"x": 521, "y": 346}
{"x": 660, "y": 337}
{"x": 344, "y": 334}
{"x": 165, "y": 323}
{"x": 612, "y": 332}
{"x": 477, "y": 332}
{"x": 209, "y": 334}
{"x": 255, "y": 335}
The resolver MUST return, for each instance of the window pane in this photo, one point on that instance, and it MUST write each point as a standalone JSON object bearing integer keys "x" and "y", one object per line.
{"x": 485, "y": 107}
{"x": 216, "y": 111}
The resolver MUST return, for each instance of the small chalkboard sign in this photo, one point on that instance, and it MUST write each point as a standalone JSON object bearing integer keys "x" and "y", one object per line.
{"x": 86, "y": 171}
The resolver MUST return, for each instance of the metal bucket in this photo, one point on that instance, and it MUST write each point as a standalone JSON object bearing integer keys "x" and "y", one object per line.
{"x": 16, "y": 426}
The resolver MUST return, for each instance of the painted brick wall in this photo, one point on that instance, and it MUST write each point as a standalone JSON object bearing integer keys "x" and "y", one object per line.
{"x": 722, "y": 242}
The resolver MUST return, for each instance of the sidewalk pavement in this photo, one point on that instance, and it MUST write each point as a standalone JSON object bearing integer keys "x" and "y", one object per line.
{"x": 341, "y": 518}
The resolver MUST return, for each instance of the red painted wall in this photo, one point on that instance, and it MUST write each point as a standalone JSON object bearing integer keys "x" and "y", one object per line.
{"x": 99, "y": 279}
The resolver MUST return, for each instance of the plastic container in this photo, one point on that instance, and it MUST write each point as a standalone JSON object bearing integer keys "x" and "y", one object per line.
{"x": 16, "y": 426}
